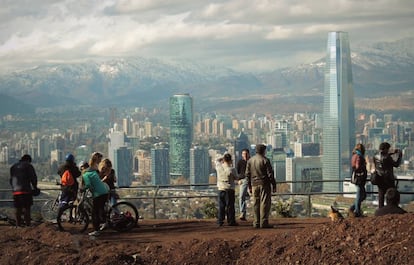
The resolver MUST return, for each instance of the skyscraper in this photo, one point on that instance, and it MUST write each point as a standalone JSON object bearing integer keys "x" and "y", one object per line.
{"x": 338, "y": 112}
{"x": 159, "y": 165}
{"x": 181, "y": 135}
{"x": 200, "y": 166}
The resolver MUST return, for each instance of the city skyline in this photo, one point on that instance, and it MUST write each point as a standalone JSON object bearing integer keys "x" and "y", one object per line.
{"x": 338, "y": 138}
{"x": 244, "y": 35}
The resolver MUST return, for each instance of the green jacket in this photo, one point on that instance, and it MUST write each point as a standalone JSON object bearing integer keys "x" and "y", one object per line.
{"x": 93, "y": 182}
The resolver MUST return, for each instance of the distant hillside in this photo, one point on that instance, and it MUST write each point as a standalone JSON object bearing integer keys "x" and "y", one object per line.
{"x": 380, "y": 70}
{"x": 10, "y": 105}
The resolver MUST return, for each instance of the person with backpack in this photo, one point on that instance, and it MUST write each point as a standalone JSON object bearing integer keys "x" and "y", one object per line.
{"x": 384, "y": 162}
{"x": 359, "y": 178}
{"x": 68, "y": 172}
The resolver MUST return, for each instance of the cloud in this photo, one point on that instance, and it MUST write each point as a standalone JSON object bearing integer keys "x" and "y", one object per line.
{"x": 241, "y": 34}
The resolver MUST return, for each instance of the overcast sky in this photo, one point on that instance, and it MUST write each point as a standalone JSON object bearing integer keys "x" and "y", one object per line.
{"x": 247, "y": 35}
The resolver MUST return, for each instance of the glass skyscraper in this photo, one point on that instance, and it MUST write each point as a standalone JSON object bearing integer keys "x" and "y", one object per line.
{"x": 338, "y": 112}
{"x": 181, "y": 135}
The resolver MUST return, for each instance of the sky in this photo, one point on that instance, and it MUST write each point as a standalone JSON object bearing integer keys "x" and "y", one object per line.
{"x": 244, "y": 35}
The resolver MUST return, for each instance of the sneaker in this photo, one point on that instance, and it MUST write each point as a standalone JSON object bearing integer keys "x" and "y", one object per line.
{"x": 103, "y": 226}
{"x": 95, "y": 233}
{"x": 242, "y": 218}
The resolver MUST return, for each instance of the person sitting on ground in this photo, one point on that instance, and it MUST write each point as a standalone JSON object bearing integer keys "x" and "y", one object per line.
{"x": 392, "y": 197}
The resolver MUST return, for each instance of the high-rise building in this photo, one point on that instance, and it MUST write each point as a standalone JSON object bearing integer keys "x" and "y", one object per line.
{"x": 304, "y": 169}
{"x": 338, "y": 112}
{"x": 181, "y": 135}
{"x": 241, "y": 142}
{"x": 200, "y": 166}
{"x": 122, "y": 163}
{"x": 159, "y": 165}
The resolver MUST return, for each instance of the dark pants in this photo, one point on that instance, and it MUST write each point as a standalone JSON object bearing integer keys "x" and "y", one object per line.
{"x": 226, "y": 200}
{"x": 381, "y": 194}
{"x": 22, "y": 205}
{"x": 98, "y": 211}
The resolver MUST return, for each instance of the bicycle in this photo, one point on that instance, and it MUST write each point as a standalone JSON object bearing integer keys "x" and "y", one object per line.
{"x": 121, "y": 217}
{"x": 50, "y": 208}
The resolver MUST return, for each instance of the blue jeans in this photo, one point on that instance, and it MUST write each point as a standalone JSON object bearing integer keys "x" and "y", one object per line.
{"x": 360, "y": 197}
{"x": 226, "y": 200}
{"x": 243, "y": 197}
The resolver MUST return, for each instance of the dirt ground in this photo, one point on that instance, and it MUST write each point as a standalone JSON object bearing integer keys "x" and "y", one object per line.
{"x": 368, "y": 240}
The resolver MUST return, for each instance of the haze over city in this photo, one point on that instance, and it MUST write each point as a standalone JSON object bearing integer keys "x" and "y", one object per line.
{"x": 239, "y": 34}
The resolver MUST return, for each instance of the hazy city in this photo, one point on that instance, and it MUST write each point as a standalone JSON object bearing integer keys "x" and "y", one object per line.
{"x": 163, "y": 90}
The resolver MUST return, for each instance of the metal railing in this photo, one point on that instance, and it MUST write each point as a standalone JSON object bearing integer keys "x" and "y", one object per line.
{"x": 154, "y": 193}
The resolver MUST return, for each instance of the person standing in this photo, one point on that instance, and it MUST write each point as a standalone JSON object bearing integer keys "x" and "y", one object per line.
{"x": 94, "y": 161}
{"x": 359, "y": 169}
{"x": 69, "y": 173}
{"x": 226, "y": 175}
{"x": 384, "y": 163}
{"x": 243, "y": 192}
{"x": 107, "y": 174}
{"x": 93, "y": 182}
{"x": 261, "y": 183}
{"x": 393, "y": 199}
{"x": 23, "y": 180}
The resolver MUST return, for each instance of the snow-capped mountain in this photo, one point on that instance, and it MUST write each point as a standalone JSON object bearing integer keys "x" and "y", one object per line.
{"x": 377, "y": 70}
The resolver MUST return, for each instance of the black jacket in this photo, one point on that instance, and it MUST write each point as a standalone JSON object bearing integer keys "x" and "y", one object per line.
{"x": 23, "y": 177}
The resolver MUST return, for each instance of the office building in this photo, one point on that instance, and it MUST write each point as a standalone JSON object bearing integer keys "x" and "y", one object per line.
{"x": 181, "y": 135}
{"x": 200, "y": 166}
{"x": 304, "y": 169}
{"x": 241, "y": 142}
{"x": 338, "y": 112}
{"x": 122, "y": 165}
{"x": 160, "y": 167}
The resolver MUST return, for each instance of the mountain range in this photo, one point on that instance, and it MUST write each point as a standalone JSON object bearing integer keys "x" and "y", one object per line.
{"x": 379, "y": 70}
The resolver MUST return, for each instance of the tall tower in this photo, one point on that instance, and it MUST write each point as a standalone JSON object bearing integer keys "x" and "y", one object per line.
{"x": 181, "y": 135}
{"x": 338, "y": 112}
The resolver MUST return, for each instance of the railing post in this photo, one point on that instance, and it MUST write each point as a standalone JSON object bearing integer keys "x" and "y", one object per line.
{"x": 154, "y": 198}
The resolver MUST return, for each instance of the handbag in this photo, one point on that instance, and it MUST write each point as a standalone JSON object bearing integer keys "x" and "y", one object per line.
{"x": 358, "y": 177}
{"x": 375, "y": 178}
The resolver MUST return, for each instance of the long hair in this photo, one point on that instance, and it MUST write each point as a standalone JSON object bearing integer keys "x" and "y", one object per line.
{"x": 95, "y": 160}
{"x": 360, "y": 148}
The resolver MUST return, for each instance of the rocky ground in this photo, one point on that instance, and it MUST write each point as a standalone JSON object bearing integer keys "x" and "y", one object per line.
{"x": 368, "y": 240}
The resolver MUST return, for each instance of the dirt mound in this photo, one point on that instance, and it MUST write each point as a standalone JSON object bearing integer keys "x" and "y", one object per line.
{"x": 379, "y": 240}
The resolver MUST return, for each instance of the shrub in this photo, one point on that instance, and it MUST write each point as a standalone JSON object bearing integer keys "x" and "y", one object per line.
{"x": 210, "y": 209}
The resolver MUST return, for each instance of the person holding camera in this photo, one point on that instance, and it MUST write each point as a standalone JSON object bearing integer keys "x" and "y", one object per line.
{"x": 384, "y": 162}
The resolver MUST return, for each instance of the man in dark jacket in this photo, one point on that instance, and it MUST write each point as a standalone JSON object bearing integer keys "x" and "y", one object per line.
{"x": 260, "y": 179}
{"x": 243, "y": 193}
{"x": 384, "y": 166}
{"x": 23, "y": 180}
{"x": 393, "y": 199}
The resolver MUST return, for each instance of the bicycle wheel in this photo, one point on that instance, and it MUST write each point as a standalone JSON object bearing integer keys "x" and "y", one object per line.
{"x": 49, "y": 210}
{"x": 123, "y": 216}
{"x": 73, "y": 219}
